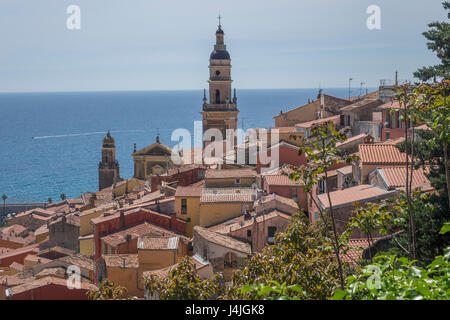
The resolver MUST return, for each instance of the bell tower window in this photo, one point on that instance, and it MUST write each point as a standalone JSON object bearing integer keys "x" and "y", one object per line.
{"x": 217, "y": 96}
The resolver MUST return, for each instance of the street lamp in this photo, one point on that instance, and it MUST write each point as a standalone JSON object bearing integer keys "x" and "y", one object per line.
{"x": 349, "y": 86}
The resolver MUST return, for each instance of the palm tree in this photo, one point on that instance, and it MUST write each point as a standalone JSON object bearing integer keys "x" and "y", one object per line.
{"x": 49, "y": 200}
{"x": 63, "y": 196}
{"x": 4, "y": 197}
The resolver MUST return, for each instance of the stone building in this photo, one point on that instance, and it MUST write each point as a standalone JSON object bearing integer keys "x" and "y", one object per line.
{"x": 64, "y": 232}
{"x": 155, "y": 159}
{"x": 223, "y": 252}
{"x": 221, "y": 112}
{"x": 108, "y": 168}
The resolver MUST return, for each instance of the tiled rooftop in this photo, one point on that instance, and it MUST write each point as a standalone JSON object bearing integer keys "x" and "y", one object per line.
{"x": 158, "y": 243}
{"x": 380, "y": 153}
{"x": 211, "y": 195}
{"x": 121, "y": 260}
{"x": 145, "y": 228}
{"x": 280, "y": 180}
{"x": 230, "y": 173}
{"x": 223, "y": 240}
{"x": 396, "y": 176}
{"x": 309, "y": 124}
{"x": 348, "y": 196}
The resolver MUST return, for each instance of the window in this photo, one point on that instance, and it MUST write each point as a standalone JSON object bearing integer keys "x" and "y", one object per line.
{"x": 342, "y": 120}
{"x": 217, "y": 96}
{"x": 397, "y": 117}
{"x": 201, "y": 174}
{"x": 322, "y": 188}
{"x": 388, "y": 119}
{"x": 348, "y": 121}
{"x": 183, "y": 206}
{"x": 237, "y": 181}
{"x": 249, "y": 233}
{"x": 271, "y": 231}
{"x": 388, "y": 135}
{"x": 205, "y": 253}
{"x": 294, "y": 193}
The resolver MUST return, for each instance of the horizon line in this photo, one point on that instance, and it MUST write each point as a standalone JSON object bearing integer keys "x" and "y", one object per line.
{"x": 169, "y": 90}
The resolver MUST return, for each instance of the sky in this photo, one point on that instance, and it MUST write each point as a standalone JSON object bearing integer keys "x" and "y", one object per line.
{"x": 165, "y": 45}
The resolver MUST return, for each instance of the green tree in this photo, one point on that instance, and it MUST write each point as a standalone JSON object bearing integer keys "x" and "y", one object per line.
{"x": 439, "y": 42}
{"x": 62, "y": 196}
{"x": 4, "y": 197}
{"x": 397, "y": 278}
{"x": 49, "y": 200}
{"x": 321, "y": 154}
{"x": 297, "y": 265}
{"x": 183, "y": 283}
{"x": 107, "y": 291}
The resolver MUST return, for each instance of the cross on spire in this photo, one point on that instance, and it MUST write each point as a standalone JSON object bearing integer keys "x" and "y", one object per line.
{"x": 220, "y": 18}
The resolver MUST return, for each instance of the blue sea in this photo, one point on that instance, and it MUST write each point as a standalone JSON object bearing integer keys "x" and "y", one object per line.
{"x": 50, "y": 142}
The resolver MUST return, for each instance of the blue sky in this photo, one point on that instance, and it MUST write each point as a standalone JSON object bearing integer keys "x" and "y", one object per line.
{"x": 165, "y": 45}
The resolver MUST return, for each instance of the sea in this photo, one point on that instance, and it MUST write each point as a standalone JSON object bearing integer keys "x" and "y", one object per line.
{"x": 50, "y": 143}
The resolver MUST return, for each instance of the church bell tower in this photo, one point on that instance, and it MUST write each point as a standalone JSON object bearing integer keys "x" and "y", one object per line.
{"x": 108, "y": 168}
{"x": 221, "y": 112}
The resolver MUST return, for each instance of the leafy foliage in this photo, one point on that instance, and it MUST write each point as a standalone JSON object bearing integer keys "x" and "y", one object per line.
{"x": 439, "y": 42}
{"x": 301, "y": 260}
{"x": 391, "y": 277}
{"x": 183, "y": 283}
{"x": 107, "y": 291}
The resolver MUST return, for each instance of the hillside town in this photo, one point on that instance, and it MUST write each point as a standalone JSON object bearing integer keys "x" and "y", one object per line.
{"x": 215, "y": 213}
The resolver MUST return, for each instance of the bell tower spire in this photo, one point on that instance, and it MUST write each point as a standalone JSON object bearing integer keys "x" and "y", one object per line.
{"x": 221, "y": 112}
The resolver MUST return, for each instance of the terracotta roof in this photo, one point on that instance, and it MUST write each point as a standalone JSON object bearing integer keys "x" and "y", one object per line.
{"x": 12, "y": 253}
{"x": 363, "y": 193}
{"x": 15, "y": 229}
{"x": 380, "y": 153}
{"x": 210, "y": 195}
{"x": 58, "y": 249}
{"x": 309, "y": 124}
{"x": 35, "y": 258}
{"x": 394, "y": 141}
{"x": 223, "y": 240}
{"x": 79, "y": 260}
{"x": 391, "y": 105}
{"x": 396, "y": 176}
{"x": 359, "y": 104}
{"x": 11, "y": 281}
{"x": 158, "y": 243}
{"x": 121, "y": 260}
{"x": 280, "y": 180}
{"x": 16, "y": 266}
{"x": 284, "y": 129}
{"x": 242, "y": 223}
{"x": 37, "y": 283}
{"x": 351, "y": 139}
{"x": 145, "y": 228}
{"x": 195, "y": 259}
{"x": 370, "y": 95}
{"x": 354, "y": 254}
{"x": 41, "y": 230}
{"x": 189, "y": 191}
{"x": 57, "y": 271}
{"x": 345, "y": 170}
{"x": 230, "y": 173}
{"x": 276, "y": 198}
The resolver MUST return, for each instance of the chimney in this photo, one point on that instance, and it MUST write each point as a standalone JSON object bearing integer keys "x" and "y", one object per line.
{"x": 122, "y": 218}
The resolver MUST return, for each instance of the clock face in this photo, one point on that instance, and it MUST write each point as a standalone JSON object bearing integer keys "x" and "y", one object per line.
{"x": 217, "y": 72}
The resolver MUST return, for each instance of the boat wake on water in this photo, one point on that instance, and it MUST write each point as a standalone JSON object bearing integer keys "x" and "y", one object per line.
{"x": 83, "y": 134}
